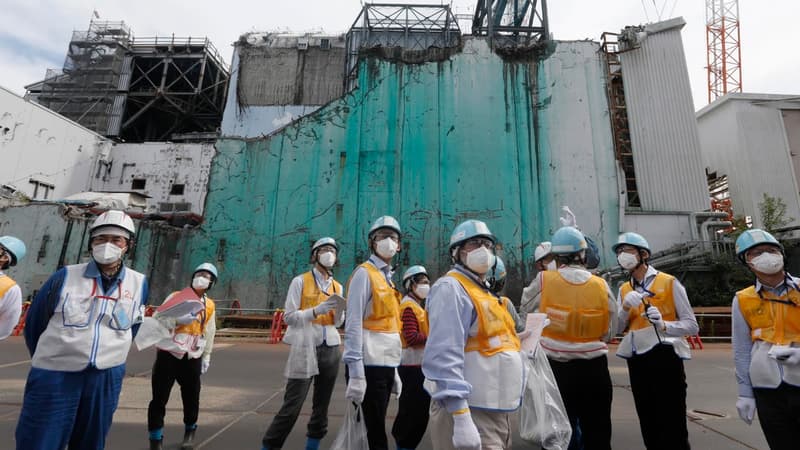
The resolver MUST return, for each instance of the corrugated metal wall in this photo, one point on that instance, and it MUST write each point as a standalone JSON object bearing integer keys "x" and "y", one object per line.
{"x": 666, "y": 147}
{"x": 432, "y": 144}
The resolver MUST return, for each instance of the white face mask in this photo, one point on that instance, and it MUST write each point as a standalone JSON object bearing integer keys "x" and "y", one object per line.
{"x": 627, "y": 261}
{"x": 552, "y": 265}
{"x": 201, "y": 282}
{"x": 327, "y": 259}
{"x": 106, "y": 253}
{"x": 768, "y": 263}
{"x": 386, "y": 248}
{"x": 480, "y": 260}
{"x": 421, "y": 290}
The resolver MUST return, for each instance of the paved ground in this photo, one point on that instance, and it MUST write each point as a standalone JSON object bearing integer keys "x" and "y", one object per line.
{"x": 243, "y": 389}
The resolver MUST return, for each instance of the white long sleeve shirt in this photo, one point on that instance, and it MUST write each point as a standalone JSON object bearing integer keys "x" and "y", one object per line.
{"x": 10, "y": 309}
{"x": 295, "y": 317}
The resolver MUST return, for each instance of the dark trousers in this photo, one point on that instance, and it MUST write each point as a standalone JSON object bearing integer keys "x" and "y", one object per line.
{"x": 658, "y": 382}
{"x": 380, "y": 381}
{"x": 166, "y": 371}
{"x": 779, "y": 414}
{"x": 413, "y": 410}
{"x": 296, "y": 393}
{"x": 585, "y": 386}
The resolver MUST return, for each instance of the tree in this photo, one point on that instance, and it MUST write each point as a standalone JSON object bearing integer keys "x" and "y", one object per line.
{"x": 773, "y": 213}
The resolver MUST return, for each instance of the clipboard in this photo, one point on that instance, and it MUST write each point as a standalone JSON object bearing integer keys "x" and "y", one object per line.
{"x": 181, "y": 303}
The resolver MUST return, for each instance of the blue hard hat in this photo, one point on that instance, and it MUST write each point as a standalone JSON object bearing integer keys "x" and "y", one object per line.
{"x": 207, "y": 267}
{"x": 15, "y": 247}
{"x": 385, "y": 222}
{"x": 498, "y": 272}
{"x": 325, "y": 241}
{"x": 633, "y": 239}
{"x": 469, "y": 229}
{"x": 567, "y": 240}
{"x": 750, "y": 238}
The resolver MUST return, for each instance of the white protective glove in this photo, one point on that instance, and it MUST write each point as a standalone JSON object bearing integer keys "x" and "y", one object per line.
{"x": 654, "y": 316}
{"x": 204, "y": 365}
{"x": 632, "y": 300}
{"x": 569, "y": 218}
{"x": 186, "y": 319}
{"x": 356, "y": 388}
{"x": 747, "y": 409}
{"x": 324, "y": 307}
{"x": 785, "y": 354}
{"x": 397, "y": 387}
{"x": 465, "y": 433}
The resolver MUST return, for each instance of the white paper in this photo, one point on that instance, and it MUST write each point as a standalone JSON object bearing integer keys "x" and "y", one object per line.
{"x": 535, "y": 323}
{"x": 150, "y": 333}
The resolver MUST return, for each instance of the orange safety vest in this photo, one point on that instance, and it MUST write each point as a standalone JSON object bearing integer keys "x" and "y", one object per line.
{"x": 577, "y": 312}
{"x": 313, "y": 296}
{"x": 495, "y": 326}
{"x": 385, "y": 314}
{"x": 421, "y": 315}
{"x": 663, "y": 300}
{"x": 196, "y": 328}
{"x": 771, "y": 321}
{"x": 6, "y": 283}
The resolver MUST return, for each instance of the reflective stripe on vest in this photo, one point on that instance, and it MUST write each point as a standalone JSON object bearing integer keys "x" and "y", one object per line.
{"x": 663, "y": 300}
{"x": 419, "y": 313}
{"x": 577, "y": 312}
{"x": 312, "y": 296}
{"x": 384, "y": 317}
{"x": 495, "y": 325}
{"x": 771, "y": 321}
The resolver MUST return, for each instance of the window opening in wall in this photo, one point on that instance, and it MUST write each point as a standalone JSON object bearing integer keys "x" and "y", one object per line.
{"x": 41, "y": 189}
{"x": 176, "y": 189}
{"x": 138, "y": 183}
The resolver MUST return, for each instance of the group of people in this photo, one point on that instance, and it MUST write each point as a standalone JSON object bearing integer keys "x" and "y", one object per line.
{"x": 451, "y": 349}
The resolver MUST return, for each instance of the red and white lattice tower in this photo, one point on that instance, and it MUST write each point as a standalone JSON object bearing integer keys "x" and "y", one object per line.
{"x": 724, "y": 53}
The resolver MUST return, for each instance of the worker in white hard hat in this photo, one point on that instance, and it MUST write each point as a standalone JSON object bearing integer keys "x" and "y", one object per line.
{"x": 472, "y": 362}
{"x": 412, "y": 411}
{"x": 544, "y": 259}
{"x": 372, "y": 345}
{"x": 312, "y": 306}
{"x": 12, "y": 250}
{"x": 183, "y": 357}
{"x": 656, "y": 311}
{"x": 78, "y": 330}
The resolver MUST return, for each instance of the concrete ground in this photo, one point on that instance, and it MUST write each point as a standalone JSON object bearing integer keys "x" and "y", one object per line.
{"x": 243, "y": 390}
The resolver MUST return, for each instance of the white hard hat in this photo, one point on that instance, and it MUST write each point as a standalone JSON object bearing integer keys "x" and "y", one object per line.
{"x": 385, "y": 222}
{"x": 113, "y": 222}
{"x": 542, "y": 250}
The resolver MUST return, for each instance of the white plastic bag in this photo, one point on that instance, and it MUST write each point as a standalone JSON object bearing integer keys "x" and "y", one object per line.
{"x": 302, "y": 361}
{"x": 353, "y": 434}
{"x": 543, "y": 418}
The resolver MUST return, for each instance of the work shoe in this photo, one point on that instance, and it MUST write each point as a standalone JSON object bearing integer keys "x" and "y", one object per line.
{"x": 156, "y": 444}
{"x": 188, "y": 440}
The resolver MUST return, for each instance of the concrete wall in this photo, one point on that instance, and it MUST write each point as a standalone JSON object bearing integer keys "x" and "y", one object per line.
{"x": 38, "y": 144}
{"x": 662, "y": 231}
{"x": 161, "y": 165}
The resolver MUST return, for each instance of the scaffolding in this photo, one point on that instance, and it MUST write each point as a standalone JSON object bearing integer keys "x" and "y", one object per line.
{"x": 137, "y": 89}
{"x": 511, "y": 23}
{"x": 409, "y": 27}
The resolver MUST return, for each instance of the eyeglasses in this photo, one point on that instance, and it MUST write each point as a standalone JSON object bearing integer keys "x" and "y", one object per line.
{"x": 472, "y": 244}
{"x": 119, "y": 241}
{"x": 758, "y": 251}
{"x": 627, "y": 249}
{"x": 381, "y": 236}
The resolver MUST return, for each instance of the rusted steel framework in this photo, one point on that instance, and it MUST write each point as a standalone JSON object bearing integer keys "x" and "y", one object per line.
{"x": 724, "y": 53}
{"x": 511, "y": 23}
{"x": 391, "y": 25}
{"x": 619, "y": 116}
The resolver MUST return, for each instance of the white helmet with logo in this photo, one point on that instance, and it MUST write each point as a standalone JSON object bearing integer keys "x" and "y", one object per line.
{"x": 113, "y": 222}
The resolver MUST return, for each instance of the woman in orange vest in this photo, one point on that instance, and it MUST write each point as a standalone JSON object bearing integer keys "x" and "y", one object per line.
{"x": 766, "y": 341}
{"x": 310, "y": 300}
{"x": 412, "y": 412}
{"x": 657, "y": 313}
{"x": 183, "y": 357}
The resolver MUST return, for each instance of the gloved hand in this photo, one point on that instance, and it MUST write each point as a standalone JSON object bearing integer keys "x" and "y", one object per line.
{"x": 186, "y": 319}
{"x": 397, "y": 387}
{"x": 569, "y": 218}
{"x": 465, "y": 433}
{"x": 785, "y": 355}
{"x": 324, "y": 307}
{"x": 356, "y": 388}
{"x": 632, "y": 300}
{"x": 205, "y": 365}
{"x": 654, "y": 316}
{"x": 747, "y": 409}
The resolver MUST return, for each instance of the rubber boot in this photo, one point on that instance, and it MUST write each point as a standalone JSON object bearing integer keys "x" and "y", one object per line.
{"x": 312, "y": 444}
{"x": 188, "y": 439}
{"x": 156, "y": 444}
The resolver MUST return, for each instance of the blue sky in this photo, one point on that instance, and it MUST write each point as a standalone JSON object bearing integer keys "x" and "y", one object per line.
{"x": 34, "y": 33}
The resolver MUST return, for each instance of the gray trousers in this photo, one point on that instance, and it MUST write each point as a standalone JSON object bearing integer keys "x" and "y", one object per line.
{"x": 296, "y": 393}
